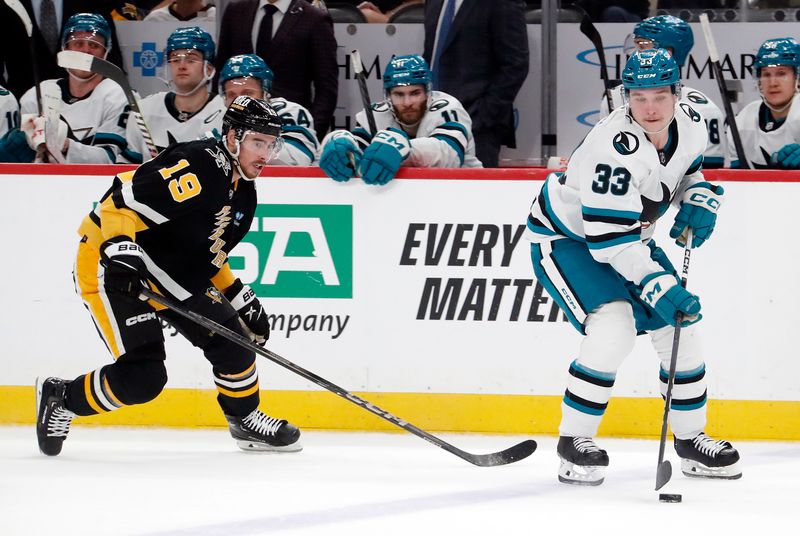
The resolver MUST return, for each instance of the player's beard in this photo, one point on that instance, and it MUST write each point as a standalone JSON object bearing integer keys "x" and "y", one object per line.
{"x": 412, "y": 115}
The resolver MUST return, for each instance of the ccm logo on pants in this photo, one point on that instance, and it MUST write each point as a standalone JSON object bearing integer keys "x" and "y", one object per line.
{"x": 140, "y": 318}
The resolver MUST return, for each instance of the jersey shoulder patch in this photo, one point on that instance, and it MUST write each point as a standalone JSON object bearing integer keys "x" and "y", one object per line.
{"x": 277, "y": 104}
{"x": 625, "y": 143}
{"x": 696, "y": 97}
{"x": 382, "y": 106}
{"x": 438, "y": 104}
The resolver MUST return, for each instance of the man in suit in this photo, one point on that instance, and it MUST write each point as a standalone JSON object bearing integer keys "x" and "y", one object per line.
{"x": 296, "y": 40}
{"x": 14, "y": 43}
{"x": 478, "y": 51}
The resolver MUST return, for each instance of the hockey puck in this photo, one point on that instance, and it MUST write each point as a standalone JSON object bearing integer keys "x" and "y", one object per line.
{"x": 670, "y": 497}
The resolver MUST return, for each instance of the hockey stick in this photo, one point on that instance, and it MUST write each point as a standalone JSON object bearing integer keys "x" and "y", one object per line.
{"x": 51, "y": 104}
{"x": 664, "y": 469}
{"x": 510, "y": 455}
{"x": 17, "y": 7}
{"x": 588, "y": 29}
{"x": 726, "y": 101}
{"x": 358, "y": 70}
{"x": 71, "y": 59}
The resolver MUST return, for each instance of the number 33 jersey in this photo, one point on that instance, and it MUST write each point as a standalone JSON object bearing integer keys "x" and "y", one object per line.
{"x": 187, "y": 212}
{"x": 617, "y": 184}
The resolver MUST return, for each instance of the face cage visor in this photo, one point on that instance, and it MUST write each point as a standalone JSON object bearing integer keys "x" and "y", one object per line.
{"x": 87, "y": 36}
{"x": 268, "y": 150}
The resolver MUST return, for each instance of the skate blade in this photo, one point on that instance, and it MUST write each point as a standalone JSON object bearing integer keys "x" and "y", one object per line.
{"x": 581, "y": 475}
{"x": 253, "y": 446}
{"x": 695, "y": 469}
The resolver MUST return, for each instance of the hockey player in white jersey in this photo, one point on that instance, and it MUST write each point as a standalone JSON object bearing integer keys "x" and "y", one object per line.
{"x": 675, "y": 35}
{"x": 9, "y": 111}
{"x": 248, "y": 74}
{"x": 770, "y": 127}
{"x": 591, "y": 230}
{"x": 415, "y": 127}
{"x": 190, "y": 111}
{"x": 92, "y": 111}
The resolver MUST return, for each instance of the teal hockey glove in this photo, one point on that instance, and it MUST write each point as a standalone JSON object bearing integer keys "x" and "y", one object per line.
{"x": 788, "y": 157}
{"x": 339, "y": 154}
{"x": 383, "y": 157}
{"x": 699, "y": 211}
{"x": 663, "y": 292}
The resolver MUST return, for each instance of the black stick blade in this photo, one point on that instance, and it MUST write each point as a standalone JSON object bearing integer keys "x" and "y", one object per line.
{"x": 514, "y": 454}
{"x": 663, "y": 474}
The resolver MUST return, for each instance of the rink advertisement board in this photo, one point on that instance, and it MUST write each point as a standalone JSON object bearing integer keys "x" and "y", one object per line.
{"x": 421, "y": 294}
{"x": 579, "y": 87}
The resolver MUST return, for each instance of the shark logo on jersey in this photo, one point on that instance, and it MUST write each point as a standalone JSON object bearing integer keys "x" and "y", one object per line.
{"x": 220, "y": 159}
{"x": 696, "y": 98}
{"x": 688, "y": 110}
{"x": 626, "y": 143}
{"x": 380, "y": 106}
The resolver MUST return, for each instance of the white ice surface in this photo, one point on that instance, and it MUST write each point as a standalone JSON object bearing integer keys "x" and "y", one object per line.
{"x": 119, "y": 481}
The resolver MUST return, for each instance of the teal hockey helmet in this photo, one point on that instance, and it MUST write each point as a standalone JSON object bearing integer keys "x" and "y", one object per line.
{"x": 192, "y": 38}
{"x": 779, "y": 51}
{"x": 87, "y": 22}
{"x": 647, "y": 69}
{"x": 247, "y": 66}
{"x": 407, "y": 71}
{"x": 666, "y": 31}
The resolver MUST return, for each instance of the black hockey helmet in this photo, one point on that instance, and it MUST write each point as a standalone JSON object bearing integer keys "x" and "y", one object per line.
{"x": 246, "y": 113}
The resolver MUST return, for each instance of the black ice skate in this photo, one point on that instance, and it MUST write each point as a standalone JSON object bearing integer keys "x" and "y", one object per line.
{"x": 52, "y": 418}
{"x": 707, "y": 457}
{"x": 582, "y": 461}
{"x": 260, "y": 432}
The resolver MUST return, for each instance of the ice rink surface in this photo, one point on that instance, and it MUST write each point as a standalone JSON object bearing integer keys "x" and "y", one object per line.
{"x": 118, "y": 481}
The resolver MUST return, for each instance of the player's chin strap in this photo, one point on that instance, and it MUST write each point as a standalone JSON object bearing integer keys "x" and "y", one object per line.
{"x": 235, "y": 156}
{"x": 786, "y": 106}
{"x": 206, "y": 79}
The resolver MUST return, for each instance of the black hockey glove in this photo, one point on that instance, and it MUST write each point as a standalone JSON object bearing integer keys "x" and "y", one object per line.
{"x": 125, "y": 271}
{"x": 251, "y": 313}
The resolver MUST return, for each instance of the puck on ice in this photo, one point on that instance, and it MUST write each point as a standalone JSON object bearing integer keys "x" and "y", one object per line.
{"x": 670, "y": 497}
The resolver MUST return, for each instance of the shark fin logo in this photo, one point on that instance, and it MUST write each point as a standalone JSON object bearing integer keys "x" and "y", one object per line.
{"x": 688, "y": 110}
{"x": 626, "y": 143}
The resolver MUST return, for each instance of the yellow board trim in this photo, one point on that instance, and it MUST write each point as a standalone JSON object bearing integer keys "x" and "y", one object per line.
{"x": 517, "y": 414}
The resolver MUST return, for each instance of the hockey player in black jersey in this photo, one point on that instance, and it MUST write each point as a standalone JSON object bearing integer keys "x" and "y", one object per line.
{"x": 170, "y": 225}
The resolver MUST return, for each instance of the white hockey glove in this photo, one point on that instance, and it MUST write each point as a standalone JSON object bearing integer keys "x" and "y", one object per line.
{"x": 34, "y": 127}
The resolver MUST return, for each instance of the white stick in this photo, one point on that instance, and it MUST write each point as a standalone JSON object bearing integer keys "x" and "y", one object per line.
{"x": 712, "y": 46}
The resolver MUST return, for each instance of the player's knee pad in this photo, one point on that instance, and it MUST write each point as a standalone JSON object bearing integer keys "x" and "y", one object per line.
{"x": 690, "y": 348}
{"x": 138, "y": 377}
{"x": 610, "y": 336}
